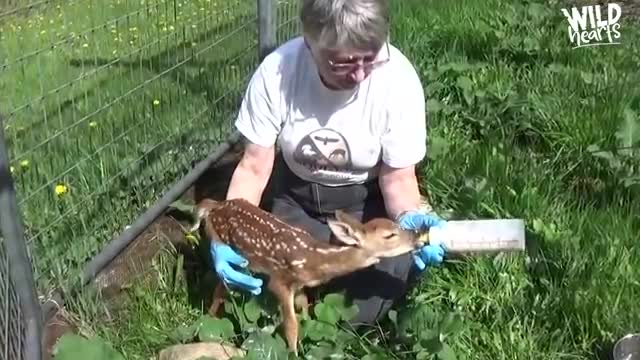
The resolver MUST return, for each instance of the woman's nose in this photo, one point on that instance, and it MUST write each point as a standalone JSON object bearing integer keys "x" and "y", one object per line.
{"x": 358, "y": 74}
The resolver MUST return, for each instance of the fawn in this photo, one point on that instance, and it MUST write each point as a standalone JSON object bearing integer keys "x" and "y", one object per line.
{"x": 291, "y": 258}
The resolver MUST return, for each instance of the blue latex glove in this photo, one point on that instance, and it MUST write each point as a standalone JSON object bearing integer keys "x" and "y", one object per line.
{"x": 431, "y": 254}
{"x": 223, "y": 256}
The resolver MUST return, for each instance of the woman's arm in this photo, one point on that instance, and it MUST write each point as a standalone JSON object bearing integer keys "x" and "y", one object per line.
{"x": 400, "y": 189}
{"x": 252, "y": 174}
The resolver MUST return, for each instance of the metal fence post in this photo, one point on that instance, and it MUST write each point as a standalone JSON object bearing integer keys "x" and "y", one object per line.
{"x": 267, "y": 12}
{"x": 20, "y": 271}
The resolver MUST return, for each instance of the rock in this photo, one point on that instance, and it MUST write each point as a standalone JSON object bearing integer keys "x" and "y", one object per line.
{"x": 195, "y": 351}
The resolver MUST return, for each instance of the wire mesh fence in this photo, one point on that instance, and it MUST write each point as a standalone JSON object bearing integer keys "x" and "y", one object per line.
{"x": 12, "y": 342}
{"x": 107, "y": 103}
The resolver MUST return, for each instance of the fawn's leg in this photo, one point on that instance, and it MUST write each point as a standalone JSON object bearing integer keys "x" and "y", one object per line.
{"x": 301, "y": 301}
{"x": 285, "y": 296}
{"x": 219, "y": 294}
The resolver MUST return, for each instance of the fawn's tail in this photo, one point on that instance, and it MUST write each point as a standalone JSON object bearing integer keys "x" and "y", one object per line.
{"x": 202, "y": 210}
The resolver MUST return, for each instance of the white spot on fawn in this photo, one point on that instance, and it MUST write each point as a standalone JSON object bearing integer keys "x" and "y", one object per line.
{"x": 298, "y": 263}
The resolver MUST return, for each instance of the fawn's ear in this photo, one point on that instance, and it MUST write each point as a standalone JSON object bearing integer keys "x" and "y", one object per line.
{"x": 344, "y": 217}
{"x": 345, "y": 233}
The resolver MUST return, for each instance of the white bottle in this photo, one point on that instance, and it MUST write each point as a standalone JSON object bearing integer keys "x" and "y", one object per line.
{"x": 466, "y": 236}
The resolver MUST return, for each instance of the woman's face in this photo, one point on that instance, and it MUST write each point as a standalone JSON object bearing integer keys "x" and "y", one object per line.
{"x": 345, "y": 68}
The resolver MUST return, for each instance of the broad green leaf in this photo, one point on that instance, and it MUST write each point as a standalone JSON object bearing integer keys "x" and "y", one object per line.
{"x": 327, "y": 313}
{"x": 593, "y": 148}
{"x": 182, "y": 206}
{"x": 417, "y": 319}
{"x": 262, "y": 346}
{"x": 375, "y": 356}
{"x": 536, "y": 10}
{"x": 451, "y": 324}
{"x": 348, "y": 313}
{"x": 464, "y": 83}
{"x": 631, "y": 181}
{"x": 433, "y": 106}
{"x": 334, "y": 299}
{"x": 433, "y": 88}
{"x": 469, "y": 97}
{"x": 184, "y": 333}
{"x": 324, "y": 350}
{"x": 75, "y": 347}
{"x": 215, "y": 329}
{"x": 393, "y": 316}
{"x": 458, "y": 67}
{"x": 438, "y": 146}
{"x": 252, "y": 310}
{"x": 338, "y": 302}
{"x": 446, "y": 353}
{"x": 317, "y": 330}
{"x": 586, "y": 77}
{"x": 628, "y": 133}
{"x": 432, "y": 344}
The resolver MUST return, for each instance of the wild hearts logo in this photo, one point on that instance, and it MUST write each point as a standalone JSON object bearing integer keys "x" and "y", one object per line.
{"x": 588, "y": 27}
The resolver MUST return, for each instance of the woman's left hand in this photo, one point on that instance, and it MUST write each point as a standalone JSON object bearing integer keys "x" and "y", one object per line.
{"x": 431, "y": 254}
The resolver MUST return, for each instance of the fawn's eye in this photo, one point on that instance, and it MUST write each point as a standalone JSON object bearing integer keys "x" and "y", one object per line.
{"x": 389, "y": 236}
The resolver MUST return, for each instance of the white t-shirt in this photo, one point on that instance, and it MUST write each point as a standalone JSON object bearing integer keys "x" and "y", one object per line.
{"x": 335, "y": 137}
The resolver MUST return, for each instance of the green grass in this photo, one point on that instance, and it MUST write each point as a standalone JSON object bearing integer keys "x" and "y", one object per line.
{"x": 516, "y": 117}
{"x": 113, "y": 100}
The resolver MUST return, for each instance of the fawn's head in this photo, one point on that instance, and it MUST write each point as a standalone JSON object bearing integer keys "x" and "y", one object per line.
{"x": 381, "y": 237}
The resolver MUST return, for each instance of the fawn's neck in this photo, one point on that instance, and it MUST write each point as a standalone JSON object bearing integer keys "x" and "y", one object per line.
{"x": 335, "y": 261}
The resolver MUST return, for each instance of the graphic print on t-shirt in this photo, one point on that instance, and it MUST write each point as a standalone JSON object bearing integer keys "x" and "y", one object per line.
{"x": 325, "y": 151}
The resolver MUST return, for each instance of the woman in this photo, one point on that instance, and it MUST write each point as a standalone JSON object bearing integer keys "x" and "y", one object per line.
{"x": 347, "y": 111}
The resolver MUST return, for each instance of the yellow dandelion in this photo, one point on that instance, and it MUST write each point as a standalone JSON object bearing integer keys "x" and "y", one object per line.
{"x": 61, "y": 189}
{"x": 93, "y": 124}
{"x": 12, "y": 169}
{"x": 156, "y": 102}
{"x": 24, "y": 163}
{"x": 85, "y": 45}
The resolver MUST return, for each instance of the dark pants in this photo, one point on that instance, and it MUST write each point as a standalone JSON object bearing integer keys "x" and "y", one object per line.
{"x": 307, "y": 205}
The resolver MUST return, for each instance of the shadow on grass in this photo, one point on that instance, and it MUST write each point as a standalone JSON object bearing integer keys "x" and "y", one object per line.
{"x": 53, "y": 114}
{"x": 184, "y": 52}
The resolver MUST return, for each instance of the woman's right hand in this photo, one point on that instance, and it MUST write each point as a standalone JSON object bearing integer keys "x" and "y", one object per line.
{"x": 223, "y": 256}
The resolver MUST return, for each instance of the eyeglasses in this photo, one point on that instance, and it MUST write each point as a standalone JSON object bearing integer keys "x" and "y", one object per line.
{"x": 345, "y": 68}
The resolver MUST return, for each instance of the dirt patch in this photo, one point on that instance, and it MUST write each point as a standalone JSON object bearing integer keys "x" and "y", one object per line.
{"x": 57, "y": 325}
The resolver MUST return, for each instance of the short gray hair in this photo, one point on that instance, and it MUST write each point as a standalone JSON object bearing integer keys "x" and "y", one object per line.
{"x": 351, "y": 23}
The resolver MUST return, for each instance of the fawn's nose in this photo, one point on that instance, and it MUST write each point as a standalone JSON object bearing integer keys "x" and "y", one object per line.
{"x": 419, "y": 239}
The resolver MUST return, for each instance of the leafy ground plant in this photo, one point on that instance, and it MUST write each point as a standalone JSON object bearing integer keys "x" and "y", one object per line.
{"x": 250, "y": 324}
